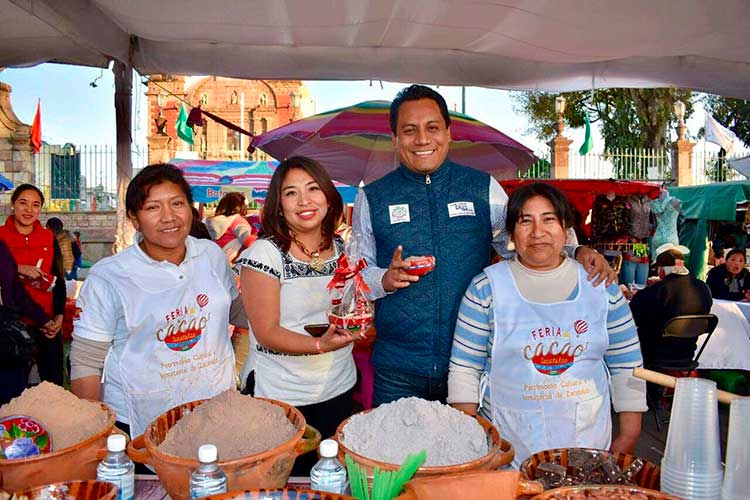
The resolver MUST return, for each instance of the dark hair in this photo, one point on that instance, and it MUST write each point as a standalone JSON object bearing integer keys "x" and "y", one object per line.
{"x": 415, "y": 93}
{"x": 149, "y": 177}
{"x": 26, "y": 187}
{"x": 525, "y": 192}
{"x": 272, "y": 222}
{"x": 669, "y": 258}
{"x": 735, "y": 251}
{"x": 54, "y": 224}
{"x": 230, "y": 204}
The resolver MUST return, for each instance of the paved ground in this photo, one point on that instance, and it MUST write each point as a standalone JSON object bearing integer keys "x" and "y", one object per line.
{"x": 652, "y": 442}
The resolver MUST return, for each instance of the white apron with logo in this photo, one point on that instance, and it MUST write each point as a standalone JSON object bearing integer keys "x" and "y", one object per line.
{"x": 178, "y": 348}
{"x": 549, "y": 384}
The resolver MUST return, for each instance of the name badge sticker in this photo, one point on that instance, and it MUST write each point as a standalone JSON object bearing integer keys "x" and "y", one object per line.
{"x": 461, "y": 209}
{"x": 399, "y": 213}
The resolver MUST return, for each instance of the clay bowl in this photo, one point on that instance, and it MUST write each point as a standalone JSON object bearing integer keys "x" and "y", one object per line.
{"x": 77, "y": 490}
{"x": 74, "y": 462}
{"x": 269, "y": 469}
{"x": 279, "y": 494}
{"x": 608, "y": 489}
{"x": 501, "y": 453}
{"x": 648, "y": 477}
{"x": 352, "y": 324}
{"x": 419, "y": 266}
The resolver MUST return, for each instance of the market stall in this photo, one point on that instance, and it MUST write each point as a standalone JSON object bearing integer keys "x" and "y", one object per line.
{"x": 701, "y": 207}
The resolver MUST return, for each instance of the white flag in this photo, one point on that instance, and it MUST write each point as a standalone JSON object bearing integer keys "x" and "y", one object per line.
{"x": 719, "y": 134}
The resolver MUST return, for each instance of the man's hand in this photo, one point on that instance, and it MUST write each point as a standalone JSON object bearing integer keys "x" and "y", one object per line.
{"x": 596, "y": 266}
{"x": 623, "y": 444}
{"x": 395, "y": 277}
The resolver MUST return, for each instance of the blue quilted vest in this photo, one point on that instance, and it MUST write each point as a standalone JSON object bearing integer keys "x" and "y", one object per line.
{"x": 415, "y": 325}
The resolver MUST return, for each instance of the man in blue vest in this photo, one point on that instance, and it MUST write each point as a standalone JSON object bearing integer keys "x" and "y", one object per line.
{"x": 427, "y": 206}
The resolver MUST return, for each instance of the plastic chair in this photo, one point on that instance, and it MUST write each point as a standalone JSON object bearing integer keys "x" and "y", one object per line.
{"x": 689, "y": 326}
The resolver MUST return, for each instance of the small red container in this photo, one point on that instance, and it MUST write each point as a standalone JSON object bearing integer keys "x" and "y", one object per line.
{"x": 420, "y": 265}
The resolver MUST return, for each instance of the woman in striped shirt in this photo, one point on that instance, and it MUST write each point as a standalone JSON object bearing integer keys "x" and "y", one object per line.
{"x": 541, "y": 348}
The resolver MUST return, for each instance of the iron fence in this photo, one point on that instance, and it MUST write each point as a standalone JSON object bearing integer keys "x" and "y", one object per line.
{"x": 643, "y": 164}
{"x": 81, "y": 178}
{"x": 711, "y": 167}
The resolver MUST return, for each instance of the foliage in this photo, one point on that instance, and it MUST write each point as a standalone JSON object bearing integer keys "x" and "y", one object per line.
{"x": 628, "y": 118}
{"x": 732, "y": 113}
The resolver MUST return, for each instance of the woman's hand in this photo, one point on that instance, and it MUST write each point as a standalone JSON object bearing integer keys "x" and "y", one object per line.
{"x": 53, "y": 326}
{"x": 630, "y": 431}
{"x": 334, "y": 339}
{"x": 31, "y": 272}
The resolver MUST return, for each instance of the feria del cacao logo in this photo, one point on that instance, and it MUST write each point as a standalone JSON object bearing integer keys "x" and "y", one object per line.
{"x": 580, "y": 326}
{"x": 185, "y": 326}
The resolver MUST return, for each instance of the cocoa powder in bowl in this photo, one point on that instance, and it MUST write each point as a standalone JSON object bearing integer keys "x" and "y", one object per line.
{"x": 67, "y": 418}
{"x": 238, "y": 425}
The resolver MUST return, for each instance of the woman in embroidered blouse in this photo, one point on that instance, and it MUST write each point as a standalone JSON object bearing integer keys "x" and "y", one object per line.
{"x": 283, "y": 278}
{"x": 730, "y": 280}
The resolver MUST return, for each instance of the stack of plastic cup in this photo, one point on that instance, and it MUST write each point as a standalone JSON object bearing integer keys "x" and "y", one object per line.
{"x": 691, "y": 467}
{"x": 737, "y": 475}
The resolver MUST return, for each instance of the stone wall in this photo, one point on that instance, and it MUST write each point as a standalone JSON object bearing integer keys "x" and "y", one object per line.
{"x": 97, "y": 231}
{"x": 15, "y": 147}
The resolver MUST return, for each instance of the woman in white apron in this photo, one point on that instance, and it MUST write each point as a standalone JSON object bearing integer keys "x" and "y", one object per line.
{"x": 153, "y": 328}
{"x": 539, "y": 349}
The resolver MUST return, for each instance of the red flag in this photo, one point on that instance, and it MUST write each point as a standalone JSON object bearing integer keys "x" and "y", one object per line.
{"x": 36, "y": 128}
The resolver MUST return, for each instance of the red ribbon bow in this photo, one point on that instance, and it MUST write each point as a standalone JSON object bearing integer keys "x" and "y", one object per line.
{"x": 345, "y": 272}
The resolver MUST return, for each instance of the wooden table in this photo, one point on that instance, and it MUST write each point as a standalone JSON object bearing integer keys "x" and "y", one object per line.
{"x": 148, "y": 487}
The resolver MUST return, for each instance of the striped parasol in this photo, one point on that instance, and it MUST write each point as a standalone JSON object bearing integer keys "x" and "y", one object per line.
{"x": 354, "y": 143}
{"x": 210, "y": 179}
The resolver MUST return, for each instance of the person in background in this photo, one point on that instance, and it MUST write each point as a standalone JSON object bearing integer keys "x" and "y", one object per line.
{"x": 676, "y": 293}
{"x": 155, "y": 317}
{"x": 77, "y": 254}
{"x": 288, "y": 270}
{"x": 40, "y": 267}
{"x": 198, "y": 229}
{"x": 13, "y": 297}
{"x": 427, "y": 206}
{"x": 555, "y": 350}
{"x": 730, "y": 280}
{"x": 68, "y": 246}
{"x": 228, "y": 226}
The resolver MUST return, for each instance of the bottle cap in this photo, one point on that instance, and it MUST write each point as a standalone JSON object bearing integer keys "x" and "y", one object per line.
{"x": 116, "y": 442}
{"x": 207, "y": 453}
{"x": 329, "y": 448}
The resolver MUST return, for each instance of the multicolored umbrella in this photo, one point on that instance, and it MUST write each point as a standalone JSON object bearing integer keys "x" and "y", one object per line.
{"x": 210, "y": 179}
{"x": 354, "y": 144}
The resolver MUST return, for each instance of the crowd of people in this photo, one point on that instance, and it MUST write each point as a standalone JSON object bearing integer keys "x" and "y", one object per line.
{"x": 542, "y": 343}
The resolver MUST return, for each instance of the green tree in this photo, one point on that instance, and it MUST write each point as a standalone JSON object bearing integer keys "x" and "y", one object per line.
{"x": 732, "y": 113}
{"x": 628, "y": 118}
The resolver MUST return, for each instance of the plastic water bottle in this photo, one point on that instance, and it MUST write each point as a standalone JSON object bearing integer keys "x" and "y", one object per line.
{"x": 328, "y": 474}
{"x": 117, "y": 468}
{"x": 208, "y": 478}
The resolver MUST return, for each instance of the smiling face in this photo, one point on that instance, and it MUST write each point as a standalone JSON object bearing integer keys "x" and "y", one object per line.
{"x": 303, "y": 203}
{"x": 735, "y": 263}
{"x": 422, "y": 139}
{"x": 539, "y": 235}
{"x": 26, "y": 210}
{"x": 164, "y": 221}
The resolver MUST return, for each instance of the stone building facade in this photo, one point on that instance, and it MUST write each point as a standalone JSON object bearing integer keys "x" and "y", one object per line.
{"x": 15, "y": 148}
{"x": 260, "y": 105}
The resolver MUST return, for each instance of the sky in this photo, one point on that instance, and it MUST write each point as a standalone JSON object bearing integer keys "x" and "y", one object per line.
{"x": 77, "y": 105}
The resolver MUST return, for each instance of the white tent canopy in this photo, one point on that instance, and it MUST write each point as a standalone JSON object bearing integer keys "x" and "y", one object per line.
{"x": 552, "y": 45}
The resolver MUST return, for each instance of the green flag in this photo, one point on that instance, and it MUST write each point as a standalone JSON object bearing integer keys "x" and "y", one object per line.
{"x": 184, "y": 131}
{"x": 588, "y": 142}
